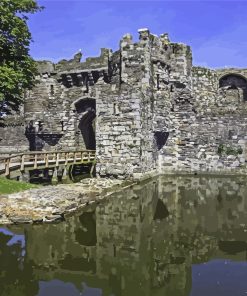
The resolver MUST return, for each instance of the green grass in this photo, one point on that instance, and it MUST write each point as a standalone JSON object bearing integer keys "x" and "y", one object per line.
{"x": 11, "y": 186}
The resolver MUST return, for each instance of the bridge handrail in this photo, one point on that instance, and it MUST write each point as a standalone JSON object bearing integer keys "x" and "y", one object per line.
{"x": 19, "y": 159}
{"x": 45, "y": 152}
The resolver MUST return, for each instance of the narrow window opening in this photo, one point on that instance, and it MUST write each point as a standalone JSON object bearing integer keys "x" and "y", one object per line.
{"x": 62, "y": 125}
{"x": 158, "y": 81}
{"x": 52, "y": 90}
{"x": 115, "y": 109}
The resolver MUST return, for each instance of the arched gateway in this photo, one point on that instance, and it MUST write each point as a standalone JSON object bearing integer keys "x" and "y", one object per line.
{"x": 85, "y": 109}
{"x": 235, "y": 85}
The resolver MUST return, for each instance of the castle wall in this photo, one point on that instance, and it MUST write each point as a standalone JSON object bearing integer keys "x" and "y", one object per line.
{"x": 12, "y": 135}
{"x": 174, "y": 104}
{"x": 55, "y": 111}
{"x": 12, "y": 139}
{"x": 210, "y": 127}
{"x": 124, "y": 117}
{"x": 152, "y": 109}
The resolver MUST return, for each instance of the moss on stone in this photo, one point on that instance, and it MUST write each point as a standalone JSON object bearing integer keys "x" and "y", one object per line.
{"x": 229, "y": 150}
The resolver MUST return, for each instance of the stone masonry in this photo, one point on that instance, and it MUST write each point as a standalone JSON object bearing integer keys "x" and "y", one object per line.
{"x": 143, "y": 107}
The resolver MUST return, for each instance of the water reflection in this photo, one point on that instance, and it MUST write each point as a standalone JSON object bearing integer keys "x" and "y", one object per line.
{"x": 170, "y": 236}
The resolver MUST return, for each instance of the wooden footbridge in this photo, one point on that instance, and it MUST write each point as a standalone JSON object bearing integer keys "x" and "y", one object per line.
{"x": 15, "y": 165}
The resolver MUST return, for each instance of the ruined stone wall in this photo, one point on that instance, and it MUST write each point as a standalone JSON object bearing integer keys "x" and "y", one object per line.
{"x": 174, "y": 104}
{"x": 12, "y": 134}
{"x": 12, "y": 137}
{"x": 125, "y": 136}
{"x": 55, "y": 111}
{"x": 152, "y": 109}
{"x": 210, "y": 126}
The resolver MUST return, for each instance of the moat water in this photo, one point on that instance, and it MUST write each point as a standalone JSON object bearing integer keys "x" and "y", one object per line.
{"x": 171, "y": 236}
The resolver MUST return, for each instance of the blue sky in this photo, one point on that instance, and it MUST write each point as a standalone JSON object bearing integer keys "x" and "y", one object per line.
{"x": 216, "y": 30}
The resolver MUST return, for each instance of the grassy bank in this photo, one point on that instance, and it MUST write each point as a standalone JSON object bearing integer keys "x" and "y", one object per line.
{"x": 11, "y": 186}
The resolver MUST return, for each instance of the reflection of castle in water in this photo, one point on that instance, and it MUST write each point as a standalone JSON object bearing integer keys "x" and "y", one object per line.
{"x": 144, "y": 240}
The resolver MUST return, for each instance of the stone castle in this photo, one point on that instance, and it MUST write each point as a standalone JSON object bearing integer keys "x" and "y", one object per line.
{"x": 143, "y": 107}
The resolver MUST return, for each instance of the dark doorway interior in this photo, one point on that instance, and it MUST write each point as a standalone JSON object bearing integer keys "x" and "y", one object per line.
{"x": 87, "y": 130}
{"x": 87, "y": 110}
{"x": 35, "y": 143}
{"x": 234, "y": 81}
{"x": 160, "y": 138}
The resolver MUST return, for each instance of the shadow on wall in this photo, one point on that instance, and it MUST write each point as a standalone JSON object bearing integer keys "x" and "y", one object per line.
{"x": 86, "y": 108}
{"x": 38, "y": 137}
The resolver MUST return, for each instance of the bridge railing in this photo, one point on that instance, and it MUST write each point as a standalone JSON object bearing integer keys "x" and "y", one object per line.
{"x": 45, "y": 159}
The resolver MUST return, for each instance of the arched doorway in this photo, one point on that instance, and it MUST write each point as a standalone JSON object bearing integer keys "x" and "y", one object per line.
{"x": 234, "y": 86}
{"x": 86, "y": 113}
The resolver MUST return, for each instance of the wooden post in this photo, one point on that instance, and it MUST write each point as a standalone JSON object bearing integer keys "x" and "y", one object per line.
{"x": 82, "y": 156}
{"x": 22, "y": 162}
{"x": 71, "y": 172}
{"x": 46, "y": 160}
{"x": 66, "y": 158}
{"x": 35, "y": 161}
{"x": 64, "y": 176}
{"x": 54, "y": 177}
{"x": 24, "y": 177}
{"x": 92, "y": 169}
{"x": 7, "y": 170}
{"x": 57, "y": 159}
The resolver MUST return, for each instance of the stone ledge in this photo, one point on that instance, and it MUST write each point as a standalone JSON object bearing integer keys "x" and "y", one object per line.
{"x": 52, "y": 204}
{"x": 55, "y": 203}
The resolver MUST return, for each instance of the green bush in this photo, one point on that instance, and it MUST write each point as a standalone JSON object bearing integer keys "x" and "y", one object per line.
{"x": 229, "y": 150}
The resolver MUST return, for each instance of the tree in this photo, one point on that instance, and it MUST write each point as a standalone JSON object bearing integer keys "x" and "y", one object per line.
{"x": 17, "y": 68}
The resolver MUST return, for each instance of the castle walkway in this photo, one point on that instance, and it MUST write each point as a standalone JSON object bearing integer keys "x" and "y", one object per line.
{"x": 17, "y": 164}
